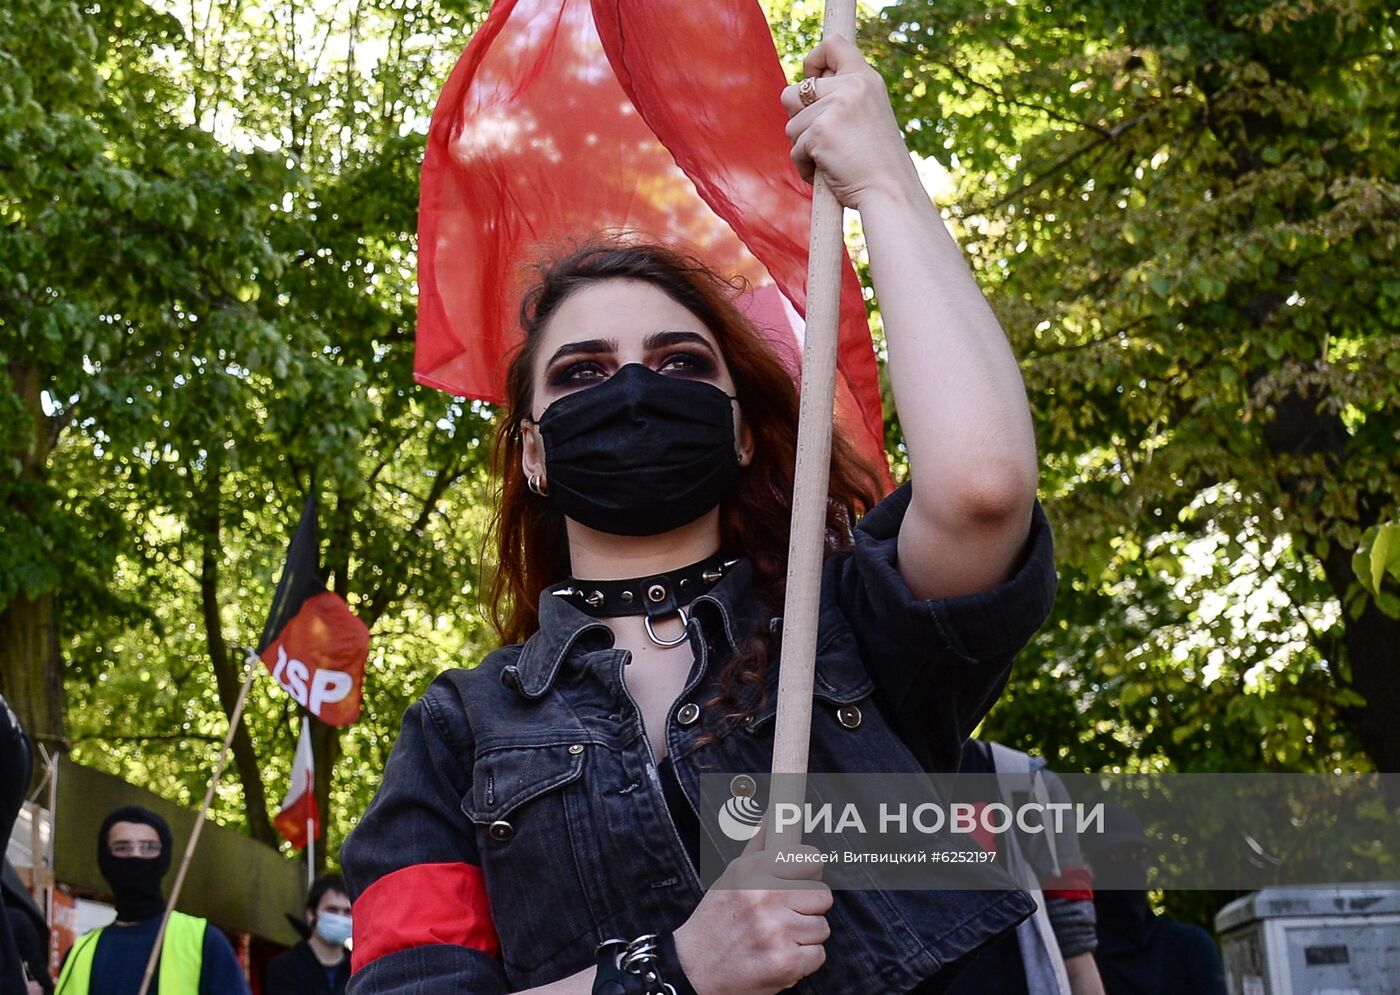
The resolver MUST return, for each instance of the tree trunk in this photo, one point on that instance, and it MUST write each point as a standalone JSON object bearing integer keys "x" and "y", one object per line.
{"x": 1303, "y": 426}
{"x": 325, "y": 741}
{"x": 1373, "y": 650}
{"x": 31, "y": 669}
{"x": 229, "y": 674}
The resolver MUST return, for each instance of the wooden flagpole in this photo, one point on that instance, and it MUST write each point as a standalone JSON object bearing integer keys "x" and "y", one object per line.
{"x": 807, "y": 540}
{"x": 252, "y": 663}
{"x": 310, "y": 822}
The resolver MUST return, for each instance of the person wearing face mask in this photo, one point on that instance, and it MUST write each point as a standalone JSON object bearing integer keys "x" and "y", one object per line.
{"x": 1140, "y": 952}
{"x": 134, "y": 851}
{"x": 537, "y": 825}
{"x": 318, "y": 965}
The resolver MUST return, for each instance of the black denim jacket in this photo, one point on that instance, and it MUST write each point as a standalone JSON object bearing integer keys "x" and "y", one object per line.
{"x": 521, "y": 820}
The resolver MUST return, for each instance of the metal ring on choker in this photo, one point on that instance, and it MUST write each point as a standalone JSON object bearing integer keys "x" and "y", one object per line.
{"x": 655, "y": 597}
{"x": 685, "y": 630}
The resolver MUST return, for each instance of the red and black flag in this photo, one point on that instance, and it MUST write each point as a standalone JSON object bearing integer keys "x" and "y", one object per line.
{"x": 312, "y": 643}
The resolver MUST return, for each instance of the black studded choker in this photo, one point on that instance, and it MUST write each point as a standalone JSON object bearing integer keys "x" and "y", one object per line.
{"x": 656, "y": 596}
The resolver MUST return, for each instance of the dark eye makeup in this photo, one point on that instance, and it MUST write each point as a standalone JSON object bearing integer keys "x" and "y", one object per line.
{"x": 587, "y": 372}
{"x": 575, "y": 374}
{"x": 689, "y": 362}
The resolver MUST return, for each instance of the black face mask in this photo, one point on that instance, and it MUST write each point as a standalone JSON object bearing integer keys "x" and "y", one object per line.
{"x": 1120, "y": 891}
{"x": 135, "y": 881}
{"x": 1125, "y": 919}
{"x": 640, "y": 454}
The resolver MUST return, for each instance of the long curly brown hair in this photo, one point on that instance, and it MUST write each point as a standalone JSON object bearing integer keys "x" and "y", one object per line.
{"x": 531, "y": 546}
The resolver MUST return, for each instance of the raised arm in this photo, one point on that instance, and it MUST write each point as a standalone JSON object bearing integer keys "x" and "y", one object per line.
{"x": 957, "y": 386}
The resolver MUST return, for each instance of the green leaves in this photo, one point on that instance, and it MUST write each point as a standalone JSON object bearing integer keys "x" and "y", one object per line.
{"x": 207, "y": 231}
{"x": 1177, "y": 210}
{"x": 1377, "y": 566}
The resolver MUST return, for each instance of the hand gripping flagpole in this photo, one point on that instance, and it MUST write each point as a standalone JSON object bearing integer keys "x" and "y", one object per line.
{"x": 807, "y": 540}
{"x": 252, "y": 664}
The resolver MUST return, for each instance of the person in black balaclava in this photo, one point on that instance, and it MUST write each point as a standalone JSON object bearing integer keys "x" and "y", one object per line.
{"x": 134, "y": 851}
{"x": 135, "y": 877}
{"x": 1140, "y": 952}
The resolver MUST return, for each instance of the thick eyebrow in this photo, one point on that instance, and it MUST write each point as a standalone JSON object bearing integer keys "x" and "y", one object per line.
{"x": 660, "y": 340}
{"x": 656, "y": 340}
{"x": 586, "y": 347}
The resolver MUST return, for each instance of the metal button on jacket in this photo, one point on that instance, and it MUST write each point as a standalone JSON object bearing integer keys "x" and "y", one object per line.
{"x": 688, "y": 713}
{"x": 501, "y": 830}
{"x": 848, "y": 716}
{"x": 742, "y": 786}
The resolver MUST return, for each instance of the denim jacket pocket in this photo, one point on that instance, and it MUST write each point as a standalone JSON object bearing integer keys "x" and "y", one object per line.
{"x": 531, "y": 814}
{"x": 503, "y": 779}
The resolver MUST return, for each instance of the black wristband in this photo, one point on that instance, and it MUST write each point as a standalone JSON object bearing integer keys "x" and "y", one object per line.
{"x": 610, "y": 979}
{"x": 647, "y": 965}
{"x": 671, "y": 968}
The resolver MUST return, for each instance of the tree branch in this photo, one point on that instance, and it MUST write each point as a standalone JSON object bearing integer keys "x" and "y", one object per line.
{"x": 377, "y": 602}
{"x": 1059, "y": 166}
{"x": 172, "y": 737}
{"x": 1002, "y": 96}
{"x": 228, "y": 674}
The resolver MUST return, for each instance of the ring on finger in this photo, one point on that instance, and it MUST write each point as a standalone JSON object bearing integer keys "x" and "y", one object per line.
{"x": 807, "y": 91}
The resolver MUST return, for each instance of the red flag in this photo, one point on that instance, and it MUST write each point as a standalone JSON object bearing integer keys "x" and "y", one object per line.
{"x": 312, "y": 643}
{"x": 299, "y": 807}
{"x": 661, "y": 117}
{"x": 319, "y": 659}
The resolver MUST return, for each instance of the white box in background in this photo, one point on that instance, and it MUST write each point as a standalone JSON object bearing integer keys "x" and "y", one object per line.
{"x": 1320, "y": 940}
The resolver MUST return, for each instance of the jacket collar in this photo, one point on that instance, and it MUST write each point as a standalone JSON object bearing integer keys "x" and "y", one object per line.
{"x": 730, "y": 608}
{"x": 561, "y": 625}
{"x": 733, "y": 605}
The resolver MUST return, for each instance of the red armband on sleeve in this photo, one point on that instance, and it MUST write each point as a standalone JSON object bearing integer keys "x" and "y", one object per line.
{"x": 420, "y": 905}
{"x": 1073, "y": 883}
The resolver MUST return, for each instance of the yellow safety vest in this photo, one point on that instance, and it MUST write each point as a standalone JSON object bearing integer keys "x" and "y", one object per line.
{"x": 181, "y": 958}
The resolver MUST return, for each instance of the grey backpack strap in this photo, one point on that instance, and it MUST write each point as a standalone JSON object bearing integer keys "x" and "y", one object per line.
{"x": 1040, "y": 952}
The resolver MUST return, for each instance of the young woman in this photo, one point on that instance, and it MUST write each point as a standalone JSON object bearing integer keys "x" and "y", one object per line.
{"x": 542, "y": 802}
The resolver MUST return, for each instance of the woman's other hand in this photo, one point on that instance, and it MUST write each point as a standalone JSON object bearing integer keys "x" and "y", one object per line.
{"x": 849, "y": 131}
{"x": 760, "y": 927}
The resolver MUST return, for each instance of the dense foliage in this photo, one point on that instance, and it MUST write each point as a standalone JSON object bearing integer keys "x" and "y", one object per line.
{"x": 207, "y": 313}
{"x": 1186, "y": 214}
